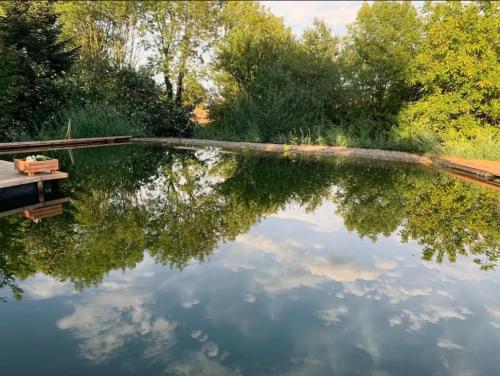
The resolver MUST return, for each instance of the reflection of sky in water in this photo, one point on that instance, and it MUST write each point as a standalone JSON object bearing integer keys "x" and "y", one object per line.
{"x": 298, "y": 294}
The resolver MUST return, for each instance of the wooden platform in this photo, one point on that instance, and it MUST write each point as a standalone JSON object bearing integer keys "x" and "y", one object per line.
{"x": 484, "y": 168}
{"x": 9, "y": 177}
{"x": 53, "y": 144}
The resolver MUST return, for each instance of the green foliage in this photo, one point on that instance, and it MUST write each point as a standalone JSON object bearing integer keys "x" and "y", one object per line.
{"x": 33, "y": 60}
{"x": 134, "y": 96}
{"x": 458, "y": 72}
{"x": 397, "y": 80}
{"x": 377, "y": 62}
{"x": 89, "y": 121}
{"x": 271, "y": 83}
{"x": 41, "y": 89}
{"x": 180, "y": 31}
{"x": 105, "y": 31}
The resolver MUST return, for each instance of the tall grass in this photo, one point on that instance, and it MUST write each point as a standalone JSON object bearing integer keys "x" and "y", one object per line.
{"x": 93, "y": 120}
{"x": 485, "y": 145}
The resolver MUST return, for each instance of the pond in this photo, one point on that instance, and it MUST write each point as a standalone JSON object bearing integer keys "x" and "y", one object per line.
{"x": 185, "y": 262}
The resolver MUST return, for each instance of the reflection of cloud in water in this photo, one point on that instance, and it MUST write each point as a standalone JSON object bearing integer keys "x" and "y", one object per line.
{"x": 322, "y": 220}
{"x": 386, "y": 264}
{"x": 249, "y": 298}
{"x": 339, "y": 270}
{"x": 294, "y": 266}
{"x": 448, "y": 344}
{"x": 41, "y": 286}
{"x": 494, "y": 311}
{"x": 105, "y": 322}
{"x": 198, "y": 363}
{"x": 332, "y": 315}
{"x": 433, "y": 314}
{"x": 392, "y": 290}
{"x": 189, "y": 304}
{"x": 393, "y": 321}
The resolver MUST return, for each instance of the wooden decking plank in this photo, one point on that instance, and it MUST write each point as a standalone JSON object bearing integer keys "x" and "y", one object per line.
{"x": 9, "y": 177}
{"x": 12, "y": 146}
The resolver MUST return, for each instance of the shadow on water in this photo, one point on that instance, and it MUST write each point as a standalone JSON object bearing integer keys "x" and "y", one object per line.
{"x": 179, "y": 205}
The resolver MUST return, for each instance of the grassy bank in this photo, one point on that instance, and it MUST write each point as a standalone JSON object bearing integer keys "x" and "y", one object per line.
{"x": 486, "y": 145}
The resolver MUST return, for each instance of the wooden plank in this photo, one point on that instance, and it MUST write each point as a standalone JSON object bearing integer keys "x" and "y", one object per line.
{"x": 9, "y": 177}
{"x": 475, "y": 165}
{"x": 14, "y": 146}
{"x": 66, "y": 147}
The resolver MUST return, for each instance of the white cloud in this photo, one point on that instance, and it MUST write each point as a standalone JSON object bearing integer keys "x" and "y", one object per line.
{"x": 496, "y": 325}
{"x": 42, "y": 286}
{"x": 196, "y": 333}
{"x": 300, "y": 14}
{"x": 386, "y": 264}
{"x": 494, "y": 311}
{"x": 339, "y": 270}
{"x": 249, "y": 298}
{"x": 105, "y": 322}
{"x": 433, "y": 314}
{"x": 321, "y": 220}
{"x": 198, "y": 363}
{"x": 449, "y": 345}
{"x": 393, "y": 321}
{"x": 332, "y": 315}
{"x": 210, "y": 349}
{"x": 190, "y": 303}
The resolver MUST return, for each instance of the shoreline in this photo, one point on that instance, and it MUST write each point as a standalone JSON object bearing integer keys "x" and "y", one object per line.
{"x": 484, "y": 173}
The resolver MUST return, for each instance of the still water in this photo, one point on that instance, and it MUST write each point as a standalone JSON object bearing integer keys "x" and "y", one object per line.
{"x": 178, "y": 262}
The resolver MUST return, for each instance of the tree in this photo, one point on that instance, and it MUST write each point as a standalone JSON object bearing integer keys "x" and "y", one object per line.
{"x": 273, "y": 85}
{"x": 104, "y": 30}
{"x": 34, "y": 59}
{"x": 458, "y": 72}
{"x": 380, "y": 50}
{"x": 181, "y": 32}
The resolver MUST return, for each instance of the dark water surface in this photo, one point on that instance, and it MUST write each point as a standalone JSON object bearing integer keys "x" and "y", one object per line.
{"x": 199, "y": 263}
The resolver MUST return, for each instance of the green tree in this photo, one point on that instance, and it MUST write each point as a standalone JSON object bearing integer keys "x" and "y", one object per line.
{"x": 377, "y": 61}
{"x": 104, "y": 30}
{"x": 458, "y": 72}
{"x": 181, "y": 32}
{"x": 273, "y": 86}
{"x": 34, "y": 59}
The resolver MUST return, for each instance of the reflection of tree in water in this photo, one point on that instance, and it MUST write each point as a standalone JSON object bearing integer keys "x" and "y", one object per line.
{"x": 179, "y": 205}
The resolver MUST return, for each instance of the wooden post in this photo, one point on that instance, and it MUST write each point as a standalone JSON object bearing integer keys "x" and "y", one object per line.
{"x": 68, "y": 131}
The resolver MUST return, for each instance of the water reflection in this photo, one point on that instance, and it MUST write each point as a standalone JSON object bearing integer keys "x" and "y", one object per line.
{"x": 180, "y": 205}
{"x": 289, "y": 266}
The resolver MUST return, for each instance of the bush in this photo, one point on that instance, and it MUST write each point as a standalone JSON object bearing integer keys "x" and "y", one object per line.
{"x": 132, "y": 95}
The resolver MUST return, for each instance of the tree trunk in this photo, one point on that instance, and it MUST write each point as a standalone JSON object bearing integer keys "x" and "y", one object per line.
{"x": 168, "y": 83}
{"x": 180, "y": 88}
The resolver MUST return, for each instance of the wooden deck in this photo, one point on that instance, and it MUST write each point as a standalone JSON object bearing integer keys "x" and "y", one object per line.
{"x": 490, "y": 169}
{"x": 9, "y": 177}
{"x": 53, "y": 144}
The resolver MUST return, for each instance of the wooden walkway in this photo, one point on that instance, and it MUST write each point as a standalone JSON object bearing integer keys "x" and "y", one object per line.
{"x": 9, "y": 177}
{"x": 10, "y": 147}
{"x": 474, "y": 166}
